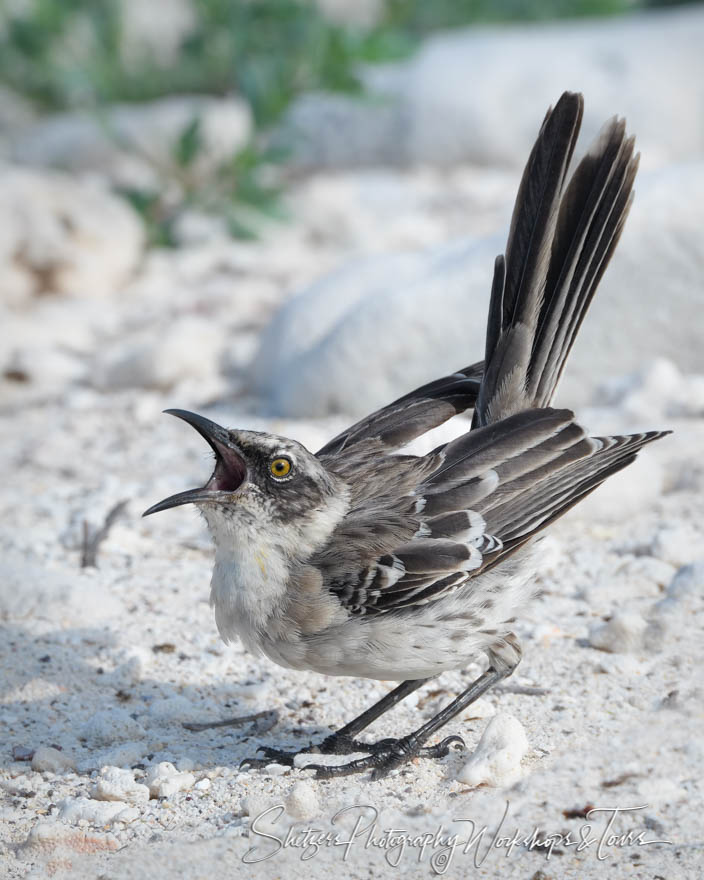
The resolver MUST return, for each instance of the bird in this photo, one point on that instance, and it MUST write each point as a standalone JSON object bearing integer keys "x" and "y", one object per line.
{"x": 365, "y": 560}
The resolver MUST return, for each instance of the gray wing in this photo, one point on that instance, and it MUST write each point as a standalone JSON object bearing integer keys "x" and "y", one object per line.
{"x": 420, "y": 528}
{"x": 413, "y": 414}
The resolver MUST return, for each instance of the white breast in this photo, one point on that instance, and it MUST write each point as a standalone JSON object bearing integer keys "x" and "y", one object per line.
{"x": 252, "y": 566}
{"x": 249, "y": 580}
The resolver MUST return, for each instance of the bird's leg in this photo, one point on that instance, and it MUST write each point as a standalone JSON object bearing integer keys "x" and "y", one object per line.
{"x": 391, "y": 753}
{"x": 342, "y": 741}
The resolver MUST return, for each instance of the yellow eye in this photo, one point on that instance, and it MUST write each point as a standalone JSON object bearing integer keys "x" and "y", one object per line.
{"x": 280, "y": 467}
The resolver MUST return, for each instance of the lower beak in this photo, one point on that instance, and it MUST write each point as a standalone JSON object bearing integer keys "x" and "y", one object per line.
{"x": 188, "y": 497}
{"x": 218, "y": 439}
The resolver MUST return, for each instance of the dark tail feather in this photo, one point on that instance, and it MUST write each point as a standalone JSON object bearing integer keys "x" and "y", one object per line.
{"x": 558, "y": 248}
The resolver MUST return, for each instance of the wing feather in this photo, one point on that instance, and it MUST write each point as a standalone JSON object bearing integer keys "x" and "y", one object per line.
{"x": 428, "y": 540}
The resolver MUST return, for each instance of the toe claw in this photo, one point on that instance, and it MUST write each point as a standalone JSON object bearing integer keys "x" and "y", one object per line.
{"x": 441, "y": 749}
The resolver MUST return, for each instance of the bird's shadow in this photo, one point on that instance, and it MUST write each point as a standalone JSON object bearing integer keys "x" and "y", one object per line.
{"x": 54, "y": 683}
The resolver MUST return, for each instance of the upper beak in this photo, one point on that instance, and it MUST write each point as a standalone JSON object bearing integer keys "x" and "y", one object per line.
{"x": 219, "y": 441}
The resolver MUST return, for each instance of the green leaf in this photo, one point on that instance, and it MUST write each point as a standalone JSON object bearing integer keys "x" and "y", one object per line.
{"x": 189, "y": 143}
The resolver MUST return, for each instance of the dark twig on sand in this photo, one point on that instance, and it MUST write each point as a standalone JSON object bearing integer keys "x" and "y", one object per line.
{"x": 524, "y": 690}
{"x": 92, "y": 539}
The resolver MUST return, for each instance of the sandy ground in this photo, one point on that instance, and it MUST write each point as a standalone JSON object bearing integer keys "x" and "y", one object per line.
{"x": 102, "y": 665}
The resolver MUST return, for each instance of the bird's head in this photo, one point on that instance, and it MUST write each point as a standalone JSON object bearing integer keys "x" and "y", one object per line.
{"x": 263, "y": 480}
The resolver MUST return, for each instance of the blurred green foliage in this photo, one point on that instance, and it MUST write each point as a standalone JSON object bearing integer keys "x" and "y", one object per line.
{"x": 66, "y": 54}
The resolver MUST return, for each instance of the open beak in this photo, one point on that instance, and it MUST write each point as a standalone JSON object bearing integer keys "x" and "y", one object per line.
{"x": 230, "y": 467}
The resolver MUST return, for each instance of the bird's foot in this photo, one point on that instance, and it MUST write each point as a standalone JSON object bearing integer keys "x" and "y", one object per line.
{"x": 386, "y": 755}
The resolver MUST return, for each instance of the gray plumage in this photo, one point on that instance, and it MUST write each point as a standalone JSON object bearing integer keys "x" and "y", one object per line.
{"x": 365, "y": 561}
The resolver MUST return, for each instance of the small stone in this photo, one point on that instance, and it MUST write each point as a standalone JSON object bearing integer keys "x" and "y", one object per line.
{"x": 626, "y": 631}
{"x": 92, "y": 812}
{"x": 275, "y": 769}
{"x": 302, "y": 801}
{"x": 109, "y": 726}
{"x": 48, "y": 836}
{"x": 52, "y": 760}
{"x": 128, "y": 815}
{"x": 22, "y": 753}
{"x": 203, "y": 784}
{"x": 115, "y": 784}
{"x": 164, "y": 780}
{"x": 497, "y": 759}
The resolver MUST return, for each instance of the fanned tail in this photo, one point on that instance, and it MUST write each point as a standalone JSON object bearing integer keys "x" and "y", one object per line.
{"x": 559, "y": 245}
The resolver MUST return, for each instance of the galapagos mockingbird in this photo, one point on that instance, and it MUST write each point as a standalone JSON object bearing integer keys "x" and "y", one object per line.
{"x": 361, "y": 560}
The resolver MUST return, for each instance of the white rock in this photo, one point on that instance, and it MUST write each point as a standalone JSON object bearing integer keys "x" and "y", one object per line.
{"x": 143, "y": 138}
{"x": 61, "y": 842}
{"x": 128, "y": 815}
{"x": 367, "y": 332}
{"x": 52, "y": 760}
{"x": 627, "y": 631}
{"x": 76, "y": 810}
{"x": 497, "y": 759}
{"x": 108, "y": 726}
{"x": 371, "y": 322}
{"x": 46, "y": 834}
{"x": 275, "y": 769}
{"x": 203, "y": 784}
{"x": 59, "y": 234}
{"x": 114, "y": 784}
{"x": 427, "y": 114}
{"x": 164, "y": 780}
{"x": 302, "y": 801}
{"x": 187, "y": 348}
